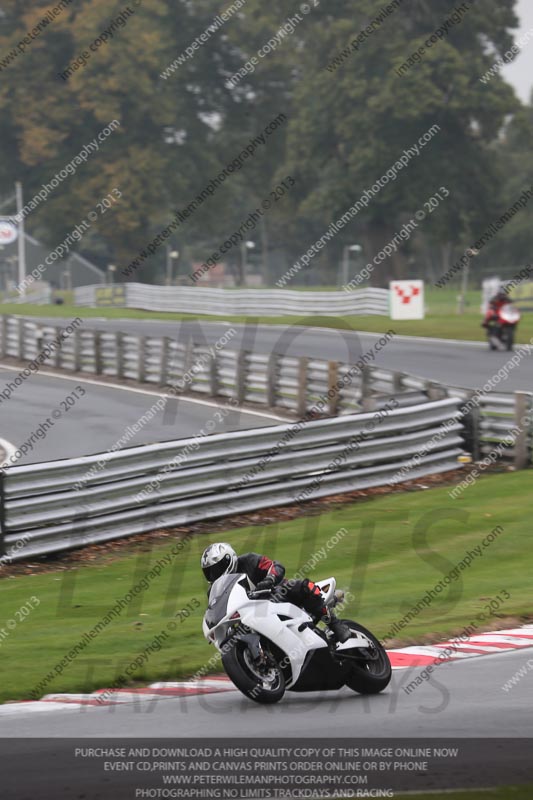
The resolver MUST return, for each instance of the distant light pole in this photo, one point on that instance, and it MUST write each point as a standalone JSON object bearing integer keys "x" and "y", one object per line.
{"x": 350, "y": 248}
{"x": 172, "y": 255}
{"x": 244, "y": 250}
{"x": 111, "y": 269}
{"x": 67, "y": 275}
{"x": 461, "y": 300}
{"x": 21, "y": 239}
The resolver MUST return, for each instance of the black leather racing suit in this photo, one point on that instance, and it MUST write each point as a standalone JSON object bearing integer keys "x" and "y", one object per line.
{"x": 303, "y": 593}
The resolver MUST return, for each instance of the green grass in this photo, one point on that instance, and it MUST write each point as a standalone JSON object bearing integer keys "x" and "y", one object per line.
{"x": 441, "y": 320}
{"x": 501, "y": 793}
{"x": 386, "y": 567}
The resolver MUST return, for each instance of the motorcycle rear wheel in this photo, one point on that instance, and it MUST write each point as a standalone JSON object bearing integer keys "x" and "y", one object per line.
{"x": 264, "y": 688}
{"x": 373, "y": 676}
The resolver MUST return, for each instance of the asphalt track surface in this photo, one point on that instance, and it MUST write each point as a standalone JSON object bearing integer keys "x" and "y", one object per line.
{"x": 463, "y": 364}
{"x": 100, "y": 417}
{"x": 463, "y": 699}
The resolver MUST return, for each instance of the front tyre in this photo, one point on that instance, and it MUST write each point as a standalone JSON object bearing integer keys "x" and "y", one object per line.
{"x": 263, "y": 683}
{"x": 372, "y": 674}
{"x": 508, "y": 337}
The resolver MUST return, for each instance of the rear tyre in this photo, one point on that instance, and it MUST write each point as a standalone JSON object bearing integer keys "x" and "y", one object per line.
{"x": 263, "y": 684}
{"x": 372, "y": 676}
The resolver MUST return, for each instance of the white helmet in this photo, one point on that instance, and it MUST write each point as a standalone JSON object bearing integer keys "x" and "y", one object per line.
{"x": 218, "y": 559}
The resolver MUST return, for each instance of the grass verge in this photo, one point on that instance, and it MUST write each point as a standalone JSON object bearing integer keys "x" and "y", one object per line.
{"x": 394, "y": 549}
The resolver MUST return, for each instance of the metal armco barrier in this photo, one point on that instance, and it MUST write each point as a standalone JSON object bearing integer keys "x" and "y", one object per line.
{"x": 286, "y": 383}
{"x": 500, "y": 425}
{"x": 252, "y": 302}
{"x": 60, "y": 505}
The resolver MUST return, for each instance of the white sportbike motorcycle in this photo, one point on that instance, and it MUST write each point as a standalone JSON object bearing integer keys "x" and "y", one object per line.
{"x": 269, "y": 646}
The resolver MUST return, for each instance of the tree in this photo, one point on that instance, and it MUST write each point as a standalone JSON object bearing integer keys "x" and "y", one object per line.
{"x": 352, "y": 122}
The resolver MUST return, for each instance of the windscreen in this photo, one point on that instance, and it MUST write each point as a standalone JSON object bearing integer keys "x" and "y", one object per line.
{"x": 218, "y": 598}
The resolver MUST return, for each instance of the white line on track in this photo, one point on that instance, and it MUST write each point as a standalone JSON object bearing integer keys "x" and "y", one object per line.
{"x": 397, "y": 336}
{"x": 153, "y": 393}
{"x": 404, "y": 338}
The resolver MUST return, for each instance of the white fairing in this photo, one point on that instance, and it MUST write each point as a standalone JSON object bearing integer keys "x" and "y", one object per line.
{"x": 262, "y": 616}
{"x": 327, "y": 588}
{"x": 510, "y": 315}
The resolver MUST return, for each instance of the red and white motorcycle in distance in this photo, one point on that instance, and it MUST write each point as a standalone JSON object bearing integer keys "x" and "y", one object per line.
{"x": 501, "y": 328}
{"x": 269, "y": 646}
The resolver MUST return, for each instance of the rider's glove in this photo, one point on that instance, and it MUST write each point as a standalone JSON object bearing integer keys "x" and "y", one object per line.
{"x": 267, "y": 583}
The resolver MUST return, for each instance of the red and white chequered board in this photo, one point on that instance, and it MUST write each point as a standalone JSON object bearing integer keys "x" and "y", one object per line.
{"x": 402, "y": 658}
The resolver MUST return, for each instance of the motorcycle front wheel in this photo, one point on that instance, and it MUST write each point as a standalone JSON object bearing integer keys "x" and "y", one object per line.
{"x": 508, "y": 337}
{"x": 371, "y": 675}
{"x": 262, "y": 683}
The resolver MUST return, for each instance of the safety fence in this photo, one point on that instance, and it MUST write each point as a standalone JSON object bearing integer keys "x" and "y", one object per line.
{"x": 284, "y": 383}
{"x": 250, "y": 302}
{"x": 63, "y": 504}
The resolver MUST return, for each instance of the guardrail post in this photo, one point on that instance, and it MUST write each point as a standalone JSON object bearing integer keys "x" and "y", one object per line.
{"x": 20, "y": 338}
{"x": 77, "y": 351}
{"x": 35, "y": 338}
{"x": 435, "y": 391}
{"x": 212, "y": 372}
{"x": 397, "y": 382}
{"x": 333, "y": 392}
{"x": 303, "y": 371}
{"x": 367, "y": 401}
{"x": 471, "y": 425}
{"x": 188, "y": 362}
{"x": 5, "y": 323}
{"x": 97, "y": 352}
{"x": 522, "y": 420}
{"x": 141, "y": 343}
{"x": 165, "y": 361}
{"x": 119, "y": 352}
{"x": 240, "y": 376}
{"x": 272, "y": 380}
{"x": 2, "y": 514}
{"x": 57, "y": 355}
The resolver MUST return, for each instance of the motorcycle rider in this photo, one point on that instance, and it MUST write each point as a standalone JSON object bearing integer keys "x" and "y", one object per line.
{"x": 221, "y": 559}
{"x": 495, "y": 304}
